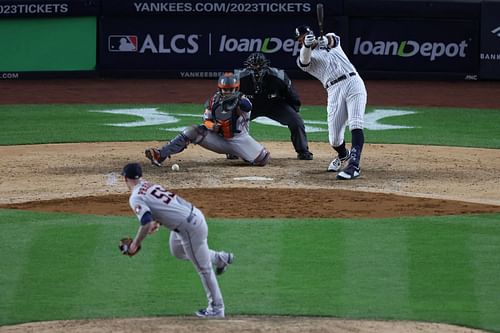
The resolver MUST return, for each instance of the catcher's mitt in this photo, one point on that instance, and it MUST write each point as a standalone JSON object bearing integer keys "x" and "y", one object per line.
{"x": 231, "y": 101}
{"x": 125, "y": 246}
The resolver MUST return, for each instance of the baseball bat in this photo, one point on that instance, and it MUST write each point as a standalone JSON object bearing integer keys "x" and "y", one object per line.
{"x": 320, "y": 16}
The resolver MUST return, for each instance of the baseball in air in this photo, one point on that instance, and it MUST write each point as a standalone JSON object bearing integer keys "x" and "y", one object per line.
{"x": 175, "y": 167}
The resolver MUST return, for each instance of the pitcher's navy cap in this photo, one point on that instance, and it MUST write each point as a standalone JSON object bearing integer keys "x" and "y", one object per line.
{"x": 132, "y": 171}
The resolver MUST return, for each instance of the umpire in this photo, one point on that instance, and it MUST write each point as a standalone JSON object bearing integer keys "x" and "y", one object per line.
{"x": 273, "y": 96}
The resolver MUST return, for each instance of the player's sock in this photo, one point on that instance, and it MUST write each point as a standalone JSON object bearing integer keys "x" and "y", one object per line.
{"x": 341, "y": 150}
{"x": 358, "y": 140}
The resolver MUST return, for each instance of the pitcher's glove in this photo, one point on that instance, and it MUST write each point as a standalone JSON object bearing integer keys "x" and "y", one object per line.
{"x": 125, "y": 246}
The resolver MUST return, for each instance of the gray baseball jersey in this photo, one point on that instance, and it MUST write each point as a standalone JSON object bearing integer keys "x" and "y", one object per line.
{"x": 189, "y": 233}
{"x": 239, "y": 143}
{"x": 224, "y": 131}
{"x": 346, "y": 97}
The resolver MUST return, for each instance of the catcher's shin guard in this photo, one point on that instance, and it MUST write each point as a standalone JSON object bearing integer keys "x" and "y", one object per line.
{"x": 263, "y": 158}
{"x": 195, "y": 133}
{"x": 178, "y": 144}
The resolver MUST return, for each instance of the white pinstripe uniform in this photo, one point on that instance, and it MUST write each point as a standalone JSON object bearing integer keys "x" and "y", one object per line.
{"x": 346, "y": 97}
{"x": 188, "y": 237}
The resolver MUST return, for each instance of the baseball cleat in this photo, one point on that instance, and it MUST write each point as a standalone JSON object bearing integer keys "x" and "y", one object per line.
{"x": 153, "y": 155}
{"x": 207, "y": 313}
{"x": 221, "y": 270}
{"x": 305, "y": 156}
{"x": 350, "y": 172}
{"x": 336, "y": 164}
{"x": 231, "y": 157}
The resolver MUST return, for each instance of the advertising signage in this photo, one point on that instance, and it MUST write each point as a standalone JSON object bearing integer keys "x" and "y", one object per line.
{"x": 176, "y": 44}
{"x": 435, "y": 46}
{"x": 48, "y": 8}
{"x": 218, "y": 7}
{"x": 490, "y": 41}
{"x": 61, "y": 44}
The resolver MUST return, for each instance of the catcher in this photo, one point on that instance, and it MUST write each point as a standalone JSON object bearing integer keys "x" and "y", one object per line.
{"x": 224, "y": 130}
{"x": 155, "y": 207}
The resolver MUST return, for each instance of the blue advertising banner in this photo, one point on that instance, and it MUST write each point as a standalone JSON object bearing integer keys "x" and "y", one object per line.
{"x": 490, "y": 41}
{"x": 431, "y": 46}
{"x": 196, "y": 48}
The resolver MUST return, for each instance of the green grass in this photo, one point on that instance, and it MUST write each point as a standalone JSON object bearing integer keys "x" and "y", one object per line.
{"x": 438, "y": 269}
{"x": 37, "y": 124}
{"x": 446, "y": 269}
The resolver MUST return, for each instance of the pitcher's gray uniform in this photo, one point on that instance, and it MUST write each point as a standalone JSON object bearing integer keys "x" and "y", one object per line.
{"x": 347, "y": 95}
{"x": 225, "y": 128}
{"x": 188, "y": 237}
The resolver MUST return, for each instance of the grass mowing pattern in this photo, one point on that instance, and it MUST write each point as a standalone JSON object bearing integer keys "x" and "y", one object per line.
{"x": 447, "y": 269}
{"x": 33, "y": 124}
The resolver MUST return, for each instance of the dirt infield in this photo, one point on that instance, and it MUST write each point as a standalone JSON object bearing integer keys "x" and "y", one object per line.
{"x": 397, "y": 180}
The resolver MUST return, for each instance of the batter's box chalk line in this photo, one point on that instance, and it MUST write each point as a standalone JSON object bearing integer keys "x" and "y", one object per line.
{"x": 253, "y": 178}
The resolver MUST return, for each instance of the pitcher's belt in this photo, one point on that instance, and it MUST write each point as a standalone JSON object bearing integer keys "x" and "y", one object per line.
{"x": 188, "y": 220}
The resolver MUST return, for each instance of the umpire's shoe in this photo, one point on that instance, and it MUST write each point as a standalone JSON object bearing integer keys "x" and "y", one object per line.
{"x": 154, "y": 156}
{"x": 336, "y": 164}
{"x": 306, "y": 156}
{"x": 221, "y": 270}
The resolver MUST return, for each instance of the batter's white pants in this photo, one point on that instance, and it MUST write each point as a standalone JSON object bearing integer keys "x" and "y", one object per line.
{"x": 346, "y": 105}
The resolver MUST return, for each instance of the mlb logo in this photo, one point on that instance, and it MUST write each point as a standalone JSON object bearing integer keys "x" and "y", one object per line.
{"x": 122, "y": 43}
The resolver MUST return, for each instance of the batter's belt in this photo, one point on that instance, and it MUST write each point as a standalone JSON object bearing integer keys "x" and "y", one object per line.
{"x": 340, "y": 78}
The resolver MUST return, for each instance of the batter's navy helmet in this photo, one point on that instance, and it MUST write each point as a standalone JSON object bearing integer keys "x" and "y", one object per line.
{"x": 301, "y": 30}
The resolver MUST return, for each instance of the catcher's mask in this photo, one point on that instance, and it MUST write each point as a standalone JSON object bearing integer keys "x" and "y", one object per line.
{"x": 302, "y": 30}
{"x": 228, "y": 83}
{"x": 132, "y": 171}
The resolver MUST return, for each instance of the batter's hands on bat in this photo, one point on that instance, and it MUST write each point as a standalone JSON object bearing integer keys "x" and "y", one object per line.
{"x": 309, "y": 39}
{"x": 323, "y": 42}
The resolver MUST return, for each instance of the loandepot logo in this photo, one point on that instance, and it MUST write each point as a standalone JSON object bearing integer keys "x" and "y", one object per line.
{"x": 410, "y": 48}
{"x": 151, "y": 116}
{"x": 264, "y": 45}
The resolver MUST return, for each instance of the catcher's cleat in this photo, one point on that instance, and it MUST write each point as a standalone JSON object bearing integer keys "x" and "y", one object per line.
{"x": 221, "y": 270}
{"x": 352, "y": 171}
{"x": 210, "y": 313}
{"x": 305, "y": 156}
{"x": 336, "y": 164}
{"x": 231, "y": 157}
{"x": 153, "y": 155}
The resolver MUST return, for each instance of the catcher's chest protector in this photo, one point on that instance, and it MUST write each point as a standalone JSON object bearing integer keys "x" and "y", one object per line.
{"x": 225, "y": 113}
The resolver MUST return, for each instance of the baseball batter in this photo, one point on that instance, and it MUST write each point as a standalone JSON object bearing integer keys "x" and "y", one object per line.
{"x": 155, "y": 206}
{"x": 325, "y": 60}
{"x": 225, "y": 128}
